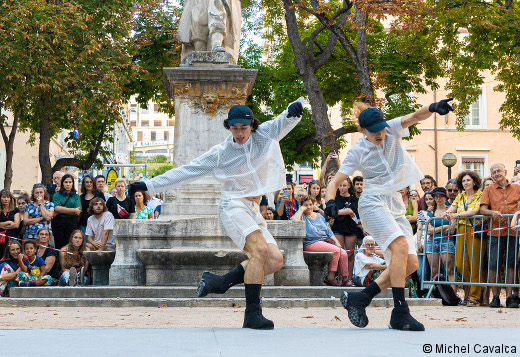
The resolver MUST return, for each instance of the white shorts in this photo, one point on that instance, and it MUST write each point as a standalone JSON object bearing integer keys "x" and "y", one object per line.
{"x": 239, "y": 217}
{"x": 383, "y": 217}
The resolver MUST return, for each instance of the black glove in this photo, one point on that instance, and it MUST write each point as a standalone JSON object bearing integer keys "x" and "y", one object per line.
{"x": 441, "y": 107}
{"x": 295, "y": 110}
{"x": 136, "y": 186}
{"x": 331, "y": 210}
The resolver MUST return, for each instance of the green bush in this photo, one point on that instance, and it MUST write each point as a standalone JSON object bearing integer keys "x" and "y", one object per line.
{"x": 161, "y": 170}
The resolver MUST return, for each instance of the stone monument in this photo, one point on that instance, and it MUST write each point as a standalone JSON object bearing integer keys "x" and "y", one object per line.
{"x": 204, "y": 87}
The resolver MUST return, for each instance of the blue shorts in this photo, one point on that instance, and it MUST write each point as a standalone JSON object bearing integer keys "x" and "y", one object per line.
{"x": 439, "y": 245}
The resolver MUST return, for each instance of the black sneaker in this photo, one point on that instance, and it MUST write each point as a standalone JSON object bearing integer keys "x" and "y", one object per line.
{"x": 256, "y": 321}
{"x": 402, "y": 320}
{"x": 352, "y": 302}
{"x": 495, "y": 302}
{"x": 511, "y": 303}
{"x": 516, "y": 298}
{"x": 210, "y": 283}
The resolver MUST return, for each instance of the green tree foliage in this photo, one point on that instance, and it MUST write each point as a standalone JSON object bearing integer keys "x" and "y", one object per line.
{"x": 475, "y": 36}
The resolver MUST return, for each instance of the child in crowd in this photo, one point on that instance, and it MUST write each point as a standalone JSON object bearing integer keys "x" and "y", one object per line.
{"x": 10, "y": 265}
{"x": 367, "y": 265}
{"x": 36, "y": 268}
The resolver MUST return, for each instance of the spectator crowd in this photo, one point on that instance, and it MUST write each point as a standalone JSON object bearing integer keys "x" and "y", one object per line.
{"x": 44, "y": 234}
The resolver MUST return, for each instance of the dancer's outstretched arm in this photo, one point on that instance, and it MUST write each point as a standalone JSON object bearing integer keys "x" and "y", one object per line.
{"x": 442, "y": 107}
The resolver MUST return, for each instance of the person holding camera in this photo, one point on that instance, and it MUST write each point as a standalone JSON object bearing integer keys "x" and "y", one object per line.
{"x": 249, "y": 164}
{"x": 386, "y": 168}
{"x": 287, "y": 205}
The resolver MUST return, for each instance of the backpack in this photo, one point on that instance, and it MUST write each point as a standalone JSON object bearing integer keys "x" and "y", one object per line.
{"x": 445, "y": 292}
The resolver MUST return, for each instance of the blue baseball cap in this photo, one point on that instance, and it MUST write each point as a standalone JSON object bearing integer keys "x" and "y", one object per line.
{"x": 240, "y": 114}
{"x": 373, "y": 120}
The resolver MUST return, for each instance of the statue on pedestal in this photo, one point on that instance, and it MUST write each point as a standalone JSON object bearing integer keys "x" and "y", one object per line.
{"x": 211, "y": 25}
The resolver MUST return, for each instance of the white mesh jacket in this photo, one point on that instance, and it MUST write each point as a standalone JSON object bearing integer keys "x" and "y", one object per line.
{"x": 386, "y": 168}
{"x": 247, "y": 170}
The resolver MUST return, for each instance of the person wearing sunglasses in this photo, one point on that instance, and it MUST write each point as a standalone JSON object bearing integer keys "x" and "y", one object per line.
{"x": 452, "y": 190}
{"x": 367, "y": 265}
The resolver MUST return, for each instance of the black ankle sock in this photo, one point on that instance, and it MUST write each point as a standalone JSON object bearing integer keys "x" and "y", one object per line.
{"x": 252, "y": 297}
{"x": 234, "y": 277}
{"x": 398, "y": 294}
{"x": 372, "y": 290}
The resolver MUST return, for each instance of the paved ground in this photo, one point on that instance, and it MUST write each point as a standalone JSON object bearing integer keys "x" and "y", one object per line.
{"x": 285, "y": 341}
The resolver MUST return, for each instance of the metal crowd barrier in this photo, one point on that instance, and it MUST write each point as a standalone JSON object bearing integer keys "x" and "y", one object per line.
{"x": 454, "y": 267}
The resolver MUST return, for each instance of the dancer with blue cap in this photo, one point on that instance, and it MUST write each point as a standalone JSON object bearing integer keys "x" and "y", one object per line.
{"x": 249, "y": 164}
{"x": 386, "y": 168}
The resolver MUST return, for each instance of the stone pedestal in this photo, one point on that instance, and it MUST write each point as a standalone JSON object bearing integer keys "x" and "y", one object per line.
{"x": 101, "y": 262}
{"x": 204, "y": 88}
{"x": 318, "y": 263}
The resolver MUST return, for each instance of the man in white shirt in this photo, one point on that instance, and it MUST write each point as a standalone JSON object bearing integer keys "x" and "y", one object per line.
{"x": 367, "y": 261}
{"x": 100, "y": 186}
{"x": 248, "y": 163}
{"x": 100, "y": 226}
{"x": 386, "y": 168}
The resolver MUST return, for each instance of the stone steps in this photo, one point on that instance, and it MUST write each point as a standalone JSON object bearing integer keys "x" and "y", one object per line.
{"x": 145, "y": 292}
{"x": 195, "y": 302}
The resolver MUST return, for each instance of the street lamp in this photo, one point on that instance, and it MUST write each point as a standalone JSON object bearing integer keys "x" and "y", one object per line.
{"x": 449, "y": 160}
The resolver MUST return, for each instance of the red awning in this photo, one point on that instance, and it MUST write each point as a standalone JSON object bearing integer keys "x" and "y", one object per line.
{"x": 473, "y": 160}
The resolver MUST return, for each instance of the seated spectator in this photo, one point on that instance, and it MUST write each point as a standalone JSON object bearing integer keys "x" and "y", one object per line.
{"x": 100, "y": 186}
{"x": 47, "y": 252}
{"x": 367, "y": 265}
{"x": 497, "y": 200}
{"x": 67, "y": 210}
{"x": 38, "y": 213}
{"x": 142, "y": 211}
{"x": 36, "y": 274}
{"x": 357, "y": 183}
{"x": 100, "y": 226}
{"x": 287, "y": 205}
{"x": 428, "y": 183}
{"x": 345, "y": 226}
{"x": 314, "y": 191}
{"x": 88, "y": 192}
{"x": 121, "y": 206}
{"x": 453, "y": 190}
{"x": 412, "y": 208}
{"x": 469, "y": 247}
{"x": 436, "y": 242}
{"x": 319, "y": 238}
{"x": 21, "y": 203}
{"x": 72, "y": 260}
{"x": 270, "y": 214}
{"x": 10, "y": 265}
{"x": 9, "y": 219}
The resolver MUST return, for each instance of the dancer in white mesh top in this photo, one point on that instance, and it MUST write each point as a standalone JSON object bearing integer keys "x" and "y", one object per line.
{"x": 249, "y": 164}
{"x": 386, "y": 168}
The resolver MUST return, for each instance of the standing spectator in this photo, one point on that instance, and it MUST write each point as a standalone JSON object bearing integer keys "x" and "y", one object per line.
{"x": 470, "y": 246}
{"x": 414, "y": 195}
{"x": 498, "y": 199}
{"x": 270, "y": 214}
{"x": 88, "y": 192}
{"x": 423, "y": 272}
{"x": 287, "y": 205}
{"x": 100, "y": 186}
{"x": 142, "y": 211}
{"x": 314, "y": 191}
{"x": 55, "y": 186}
{"x": 332, "y": 156}
{"x": 9, "y": 218}
{"x": 437, "y": 243}
{"x": 453, "y": 190}
{"x": 319, "y": 238}
{"x": 76, "y": 262}
{"x": 100, "y": 226}
{"x": 36, "y": 274}
{"x": 67, "y": 209}
{"x": 112, "y": 192}
{"x": 345, "y": 225}
{"x": 412, "y": 208}
{"x": 428, "y": 183}
{"x": 357, "y": 181}
{"x": 263, "y": 206}
{"x": 21, "y": 202}
{"x": 486, "y": 290}
{"x": 47, "y": 252}
{"x": 155, "y": 204}
{"x": 10, "y": 265}
{"x": 121, "y": 206}
{"x": 367, "y": 265}
{"x": 38, "y": 213}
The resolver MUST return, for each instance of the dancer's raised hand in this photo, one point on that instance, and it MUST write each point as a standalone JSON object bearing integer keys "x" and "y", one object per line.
{"x": 442, "y": 107}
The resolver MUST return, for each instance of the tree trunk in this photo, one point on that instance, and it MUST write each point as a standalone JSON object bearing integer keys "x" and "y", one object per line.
{"x": 44, "y": 150}
{"x": 9, "y": 148}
